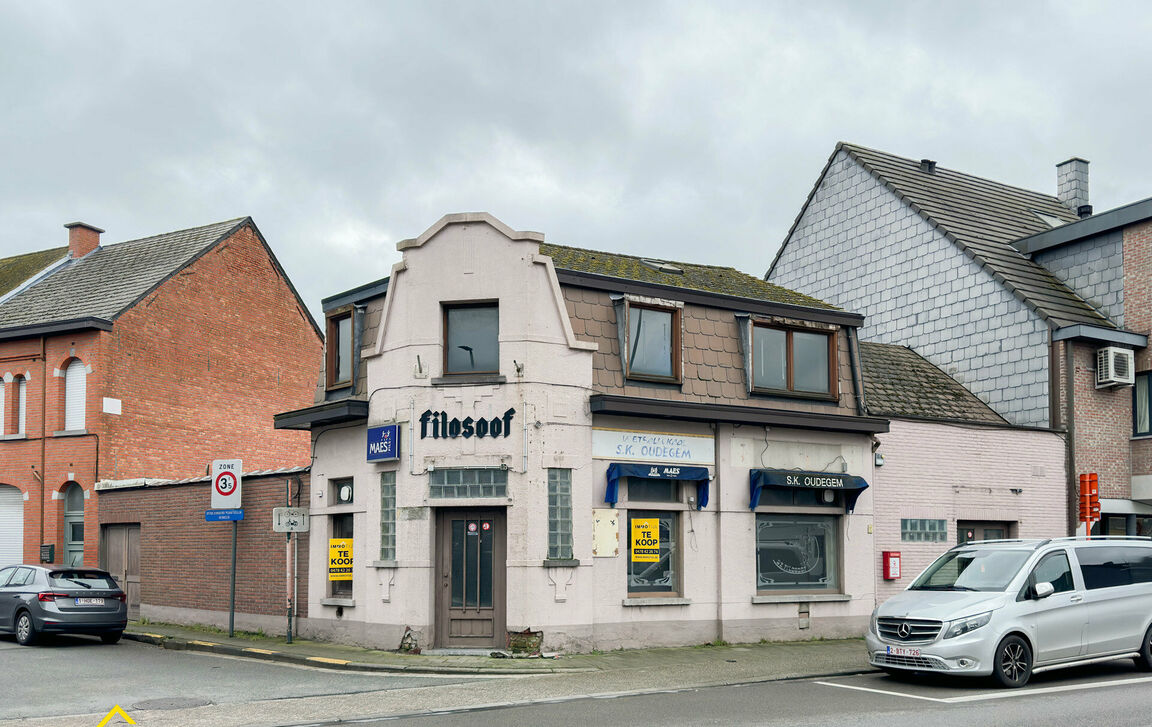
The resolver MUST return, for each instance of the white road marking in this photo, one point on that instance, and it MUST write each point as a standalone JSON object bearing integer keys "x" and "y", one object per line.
{"x": 1006, "y": 694}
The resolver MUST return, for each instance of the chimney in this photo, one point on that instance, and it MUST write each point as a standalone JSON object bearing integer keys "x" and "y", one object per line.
{"x": 82, "y": 239}
{"x": 927, "y": 166}
{"x": 1072, "y": 185}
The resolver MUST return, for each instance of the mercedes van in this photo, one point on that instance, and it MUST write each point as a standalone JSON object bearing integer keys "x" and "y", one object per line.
{"x": 1013, "y": 608}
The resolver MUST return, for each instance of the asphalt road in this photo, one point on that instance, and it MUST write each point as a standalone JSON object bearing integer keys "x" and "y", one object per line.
{"x": 79, "y": 675}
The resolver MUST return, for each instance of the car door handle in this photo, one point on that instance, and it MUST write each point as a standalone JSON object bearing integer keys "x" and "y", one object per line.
{"x": 1076, "y": 598}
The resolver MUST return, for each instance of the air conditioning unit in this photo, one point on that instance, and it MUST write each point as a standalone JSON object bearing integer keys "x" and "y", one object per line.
{"x": 1114, "y": 367}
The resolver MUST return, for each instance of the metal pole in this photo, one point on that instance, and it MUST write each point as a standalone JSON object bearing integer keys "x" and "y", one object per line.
{"x": 232, "y": 595}
{"x": 288, "y": 559}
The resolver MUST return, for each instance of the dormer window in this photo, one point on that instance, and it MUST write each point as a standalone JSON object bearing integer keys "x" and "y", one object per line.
{"x": 338, "y": 363}
{"x": 471, "y": 339}
{"x": 653, "y": 343}
{"x": 792, "y": 361}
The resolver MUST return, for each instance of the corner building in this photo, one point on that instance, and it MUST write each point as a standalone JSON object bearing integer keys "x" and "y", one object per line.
{"x": 603, "y": 450}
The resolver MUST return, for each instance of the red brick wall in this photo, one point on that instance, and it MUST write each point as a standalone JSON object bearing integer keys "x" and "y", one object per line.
{"x": 1138, "y": 316}
{"x": 186, "y": 562}
{"x": 1103, "y": 427}
{"x": 204, "y": 363}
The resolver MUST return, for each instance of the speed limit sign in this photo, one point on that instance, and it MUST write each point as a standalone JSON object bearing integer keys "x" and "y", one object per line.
{"x": 226, "y": 483}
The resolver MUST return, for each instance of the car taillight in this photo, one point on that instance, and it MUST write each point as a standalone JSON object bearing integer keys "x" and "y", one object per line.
{"x": 122, "y": 597}
{"x": 50, "y": 596}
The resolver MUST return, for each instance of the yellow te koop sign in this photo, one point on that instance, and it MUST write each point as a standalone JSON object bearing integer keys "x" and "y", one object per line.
{"x": 646, "y": 540}
{"x": 340, "y": 559}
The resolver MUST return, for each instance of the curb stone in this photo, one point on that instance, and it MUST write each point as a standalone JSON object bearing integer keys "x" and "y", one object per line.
{"x": 179, "y": 644}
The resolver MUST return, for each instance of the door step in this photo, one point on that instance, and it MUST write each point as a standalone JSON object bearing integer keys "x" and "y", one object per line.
{"x": 463, "y": 651}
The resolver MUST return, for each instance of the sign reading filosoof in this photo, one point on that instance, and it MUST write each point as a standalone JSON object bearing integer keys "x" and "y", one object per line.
{"x": 646, "y": 540}
{"x": 226, "y": 483}
{"x": 340, "y": 559}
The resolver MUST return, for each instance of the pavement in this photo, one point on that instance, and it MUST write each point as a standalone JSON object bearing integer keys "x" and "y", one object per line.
{"x": 755, "y": 662}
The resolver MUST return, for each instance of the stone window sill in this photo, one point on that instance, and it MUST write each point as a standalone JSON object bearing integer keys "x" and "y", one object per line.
{"x": 385, "y": 564}
{"x": 802, "y": 598}
{"x": 7, "y": 437}
{"x": 345, "y": 602}
{"x": 561, "y": 563}
{"x": 70, "y": 433}
{"x": 673, "y": 601}
{"x": 468, "y": 380}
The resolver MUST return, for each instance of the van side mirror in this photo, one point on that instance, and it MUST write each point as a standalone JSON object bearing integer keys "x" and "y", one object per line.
{"x": 1043, "y": 590}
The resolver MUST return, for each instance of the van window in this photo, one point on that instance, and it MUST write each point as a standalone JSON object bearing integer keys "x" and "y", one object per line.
{"x": 1140, "y": 563}
{"x": 972, "y": 569}
{"x": 1054, "y": 569}
{"x": 1105, "y": 567}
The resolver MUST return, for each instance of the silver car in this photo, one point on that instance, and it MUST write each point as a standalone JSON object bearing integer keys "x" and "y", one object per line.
{"x": 1010, "y": 609}
{"x": 37, "y": 600}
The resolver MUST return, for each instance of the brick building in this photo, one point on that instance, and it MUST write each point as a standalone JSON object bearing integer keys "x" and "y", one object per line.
{"x": 950, "y": 469}
{"x": 610, "y": 450}
{"x": 1027, "y": 299}
{"x": 136, "y": 362}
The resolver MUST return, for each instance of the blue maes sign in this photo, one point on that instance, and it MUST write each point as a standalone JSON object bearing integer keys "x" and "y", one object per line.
{"x": 384, "y": 443}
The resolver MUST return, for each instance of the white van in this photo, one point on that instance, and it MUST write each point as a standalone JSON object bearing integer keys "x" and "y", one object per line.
{"x": 1012, "y": 608}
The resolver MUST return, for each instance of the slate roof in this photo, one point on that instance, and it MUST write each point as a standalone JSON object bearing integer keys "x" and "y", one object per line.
{"x": 21, "y": 268}
{"x": 706, "y": 278}
{"x": 898, "y": 382}
{"x": 983, "y": 218}
{"x": 111, "y": 279}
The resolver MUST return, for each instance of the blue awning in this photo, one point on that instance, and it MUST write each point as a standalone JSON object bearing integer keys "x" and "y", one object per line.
{"x": 850, "y": 485}
{"x": 616, "y": 470}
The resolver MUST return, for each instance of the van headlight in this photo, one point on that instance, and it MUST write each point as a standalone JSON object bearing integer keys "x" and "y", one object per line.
{"x": 874, "y": 625}
{"x": 964, "y": 625}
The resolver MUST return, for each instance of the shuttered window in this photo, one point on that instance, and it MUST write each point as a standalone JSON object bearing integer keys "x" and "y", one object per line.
{"x": 75, "y": 391}
{"x": 21, "y": 404}
{"x": 11, "y": 525}
{"x": 3, "y": 407}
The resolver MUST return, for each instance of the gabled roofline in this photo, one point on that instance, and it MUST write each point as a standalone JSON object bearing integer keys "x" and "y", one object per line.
{"x": 971, "y": 253}
{"x": 715, "y": 300}
{"x": 279, "y": 269}
{"x": 1087, "y": 227}
{"x": 459, "y": 218}
{"x": 48, "y": 329}
{"x": 375, "y": 289}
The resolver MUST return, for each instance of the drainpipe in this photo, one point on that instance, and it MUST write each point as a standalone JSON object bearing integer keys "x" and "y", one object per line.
{"x": 857, "y": 383}
{"x": 1070, "y": 443}
{"x": 43, "y": 432}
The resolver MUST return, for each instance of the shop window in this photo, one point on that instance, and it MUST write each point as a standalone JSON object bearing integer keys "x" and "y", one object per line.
{"x": 797, "y": 552}
{"x": 648, "y": 490}
{"x": 471, "y": 339}
{"x": 1142, "y": 405}
{"x": 559, "y": 514}
{"x": 338, "y": 350}
{"x": 792, "y": 361}
{"x": 468, "y": 483}
{"x": 920, "y": 530}
{"x": 387, "y": 516}
{"x": 652, "y": 344}
{"x": 341, "y": 530}
{"x": 653, "y": 553}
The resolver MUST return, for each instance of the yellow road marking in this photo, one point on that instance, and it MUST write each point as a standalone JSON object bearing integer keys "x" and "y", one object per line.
{"x": 326, "y": 660}
{"x": 204, "y": 643}
{"x": 260, "y": 651}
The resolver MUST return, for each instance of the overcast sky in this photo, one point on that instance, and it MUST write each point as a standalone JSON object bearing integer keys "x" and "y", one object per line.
{"x": 684, "y": 131}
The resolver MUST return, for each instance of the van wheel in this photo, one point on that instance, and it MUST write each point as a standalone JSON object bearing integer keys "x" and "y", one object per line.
{"x": 25, "y": 629}
{"x": 1144, "y": 661}
{"x": 1013, "y": 662}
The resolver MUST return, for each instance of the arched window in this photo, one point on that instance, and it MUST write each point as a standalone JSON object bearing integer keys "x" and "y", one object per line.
{"x": 75, "y": 395}
{"x": 21, "y": 404}
{"x": 3, "y": 407}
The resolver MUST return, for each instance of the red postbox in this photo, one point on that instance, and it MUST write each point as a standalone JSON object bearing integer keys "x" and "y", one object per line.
{"x": 891, "y": 564}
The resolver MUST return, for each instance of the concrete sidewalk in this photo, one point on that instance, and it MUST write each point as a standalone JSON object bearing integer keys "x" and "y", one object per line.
{"x": 711, "y": 663}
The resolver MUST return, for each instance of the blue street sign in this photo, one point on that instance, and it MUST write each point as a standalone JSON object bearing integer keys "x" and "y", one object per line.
{"x": 223, "y": 515}
{"x": 383, "y": 443}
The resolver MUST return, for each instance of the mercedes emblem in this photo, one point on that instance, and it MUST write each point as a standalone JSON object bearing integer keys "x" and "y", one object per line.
{"x": 904, "y": 630}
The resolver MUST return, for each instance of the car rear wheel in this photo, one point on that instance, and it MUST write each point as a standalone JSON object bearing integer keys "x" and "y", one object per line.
{"x": 1013, "y": 662}
{"x": 111, "y": 638}
{"x": 25, "y": 629}
{"x": 1144, "y": 661}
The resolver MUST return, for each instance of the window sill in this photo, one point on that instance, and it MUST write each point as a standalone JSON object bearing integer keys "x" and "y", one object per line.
{"x": 468, "y": 380}
{"x": 671, "y": 601}
{"x": 70, "y": 433}
{"x": 633, "y": 379}
{"x": 338, "y": 509}
{"x": 344, "y": 602}
{"x": 7, "y": 437}
{"x": 802, "y": 598}
{"x": 561, "y": 563}
{"x": 773, "y": 393}
{"x": 384, "y": 564}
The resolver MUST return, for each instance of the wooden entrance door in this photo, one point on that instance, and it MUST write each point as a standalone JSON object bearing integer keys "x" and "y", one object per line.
{"x": 120, "y": 556}
{"x": 471, "y": 570}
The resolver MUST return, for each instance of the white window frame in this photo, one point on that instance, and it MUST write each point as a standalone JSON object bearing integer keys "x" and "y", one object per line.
{"x": 75, "y": 395}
